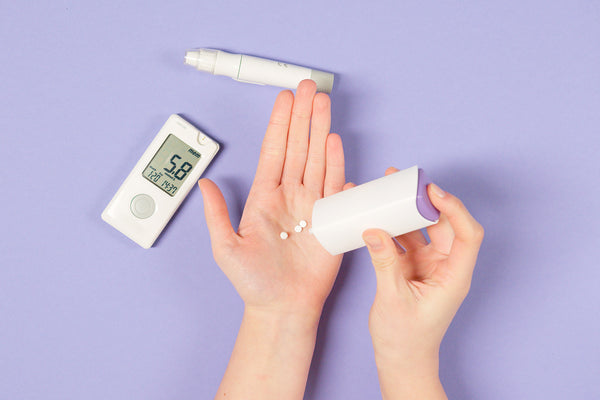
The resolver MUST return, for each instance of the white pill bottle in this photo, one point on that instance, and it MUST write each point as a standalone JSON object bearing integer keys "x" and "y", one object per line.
{"x": 397, "y": 203}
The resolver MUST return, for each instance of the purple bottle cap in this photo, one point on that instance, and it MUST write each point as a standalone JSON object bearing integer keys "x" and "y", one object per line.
{"x": 424, "y": 206}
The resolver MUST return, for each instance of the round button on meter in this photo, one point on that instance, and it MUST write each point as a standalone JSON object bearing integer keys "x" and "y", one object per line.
{"x": 142, "y": 206}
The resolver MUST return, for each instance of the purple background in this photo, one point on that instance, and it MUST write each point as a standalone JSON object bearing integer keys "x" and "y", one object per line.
{"x": 498, "y": 102}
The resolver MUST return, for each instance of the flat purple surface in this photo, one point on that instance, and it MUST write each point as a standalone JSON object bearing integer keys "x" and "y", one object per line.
{"x": 499, "y": 102}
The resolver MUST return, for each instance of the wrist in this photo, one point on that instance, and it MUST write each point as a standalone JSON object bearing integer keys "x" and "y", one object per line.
{"x": 278, "y": 344}
{"x": 405, "y": 350}
{"x": 272, "y": 355}
{"x": 410, "y": 370}
{"x": 412, "y": 365}
{"x": 421, "y": 381}
{"x": 299, "y": 317}
{"x": 297, "y": 324}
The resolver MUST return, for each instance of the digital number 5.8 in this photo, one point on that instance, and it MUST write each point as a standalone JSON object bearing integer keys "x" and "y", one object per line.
{"x": 182, "y": 171}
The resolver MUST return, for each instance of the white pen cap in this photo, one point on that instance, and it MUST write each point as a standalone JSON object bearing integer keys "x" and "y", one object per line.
{"x": 202, "y": 59}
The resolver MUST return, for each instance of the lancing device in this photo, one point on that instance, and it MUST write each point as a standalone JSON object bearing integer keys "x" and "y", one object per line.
{"x": 260, "y": 71}
{"x": 397, "y": 203}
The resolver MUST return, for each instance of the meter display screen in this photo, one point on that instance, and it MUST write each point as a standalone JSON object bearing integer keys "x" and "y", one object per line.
{"x": 171, "y": 165}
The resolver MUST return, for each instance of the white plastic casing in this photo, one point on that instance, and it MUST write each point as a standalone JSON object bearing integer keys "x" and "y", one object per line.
{"x": 388, "y": 203}
{"x": 257, "y": 70}
{"x": 144, "y": 231}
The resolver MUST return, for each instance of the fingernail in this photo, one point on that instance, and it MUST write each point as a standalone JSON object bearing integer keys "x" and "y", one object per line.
{"x": 437, "y": 190}
{"x": 373, "y": 242}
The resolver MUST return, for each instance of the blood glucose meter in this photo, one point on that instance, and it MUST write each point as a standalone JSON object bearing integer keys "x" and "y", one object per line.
{"x": 161, "y": 179}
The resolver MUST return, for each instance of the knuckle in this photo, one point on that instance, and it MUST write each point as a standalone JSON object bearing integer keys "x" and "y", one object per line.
{"x": 467, "y": 286}
{"x": 478, "y": 232}
{"x": 457, "y": 204}
{"x": 461, "y": 287}
{"x": 463, "y": 291}
{"x": 301, "y": 114}
{"x": 316, "y": 155}
{"x": 269, "y": 149}
{"x": 278, "y": 121}
{"x": 385, "y": 261}
{"x": 474, "y": 233}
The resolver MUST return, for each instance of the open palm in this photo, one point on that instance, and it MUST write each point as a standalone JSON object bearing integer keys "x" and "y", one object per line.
{"x": 300, "y": 162}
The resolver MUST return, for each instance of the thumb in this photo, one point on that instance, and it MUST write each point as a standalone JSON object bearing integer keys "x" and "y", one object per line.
{"x": 386, "y": 260}
{"x": 215, "y": 211}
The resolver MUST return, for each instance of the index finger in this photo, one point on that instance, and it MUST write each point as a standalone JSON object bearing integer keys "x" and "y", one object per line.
{"x": 468, "y": 233}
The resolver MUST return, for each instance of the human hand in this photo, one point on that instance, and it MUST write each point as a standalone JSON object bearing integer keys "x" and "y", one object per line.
{"x": 295, "y": 168}
{"x": 420, "y": 287}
